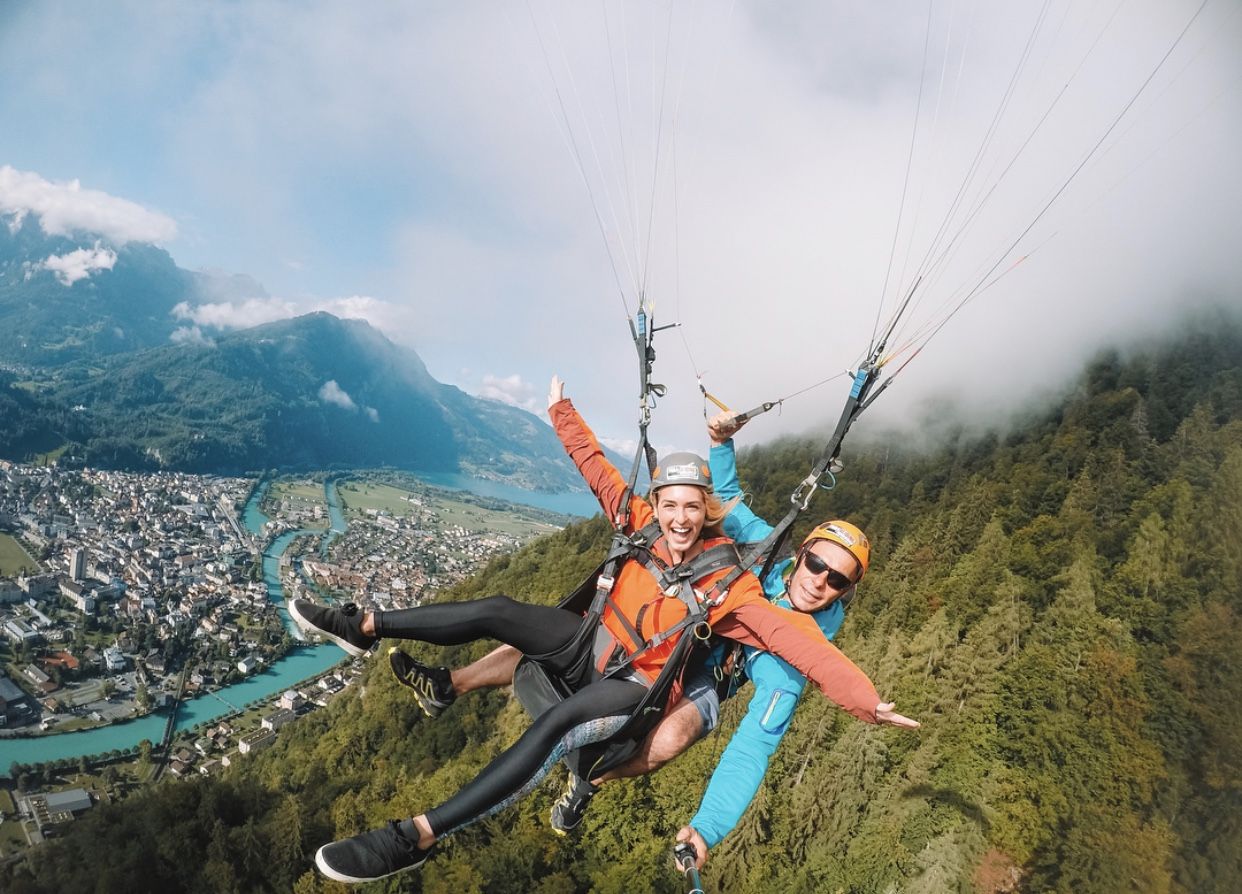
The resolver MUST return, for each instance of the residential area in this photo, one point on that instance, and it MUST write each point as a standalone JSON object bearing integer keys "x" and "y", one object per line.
{"x": 125, "y": 594}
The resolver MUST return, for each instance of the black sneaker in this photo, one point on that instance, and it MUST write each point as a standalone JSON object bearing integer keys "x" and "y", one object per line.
{"x": 341, "y": 625}
{"x": 432, "y": 686}
{"x": 571, "y": 807}
{"x": 372, "y": 855}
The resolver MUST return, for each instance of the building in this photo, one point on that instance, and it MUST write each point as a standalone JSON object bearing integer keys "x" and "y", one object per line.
{"x": 10, "y": 591}
{"x": 256, "y": 740}
{"x": 83, "y": 600}
{"x": 277, "y": 719}
{"x": 38, "y": 585}
{"x": 77, "y": 563}
{"x": 19, "y": 631}
{"x": 114, "y": 659}
{"x": 13, "y": 701}
{"x": 56, "y": 808}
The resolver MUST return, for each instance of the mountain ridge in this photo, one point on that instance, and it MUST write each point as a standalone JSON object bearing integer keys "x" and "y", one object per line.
{"x": 111, "y": 375}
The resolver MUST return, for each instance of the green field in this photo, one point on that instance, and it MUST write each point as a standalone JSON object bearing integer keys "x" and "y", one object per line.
{"x": 13, "y": 559}
{"x": 361, "y": 496}
{"x": 475, "y": 518}
{"x": 304, "y": 491}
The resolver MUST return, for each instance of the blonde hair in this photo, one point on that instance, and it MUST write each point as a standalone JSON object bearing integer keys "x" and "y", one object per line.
{"x": 715, "y": 510}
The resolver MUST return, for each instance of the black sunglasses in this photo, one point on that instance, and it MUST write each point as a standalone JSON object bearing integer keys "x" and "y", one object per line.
{"x": 816, "y": 566}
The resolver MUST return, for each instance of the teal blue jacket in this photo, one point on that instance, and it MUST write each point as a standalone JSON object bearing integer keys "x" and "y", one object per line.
{"x": 778, "y": 686}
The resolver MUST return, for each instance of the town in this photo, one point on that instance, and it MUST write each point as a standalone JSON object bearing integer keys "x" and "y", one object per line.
{"x": 123, "y": 594}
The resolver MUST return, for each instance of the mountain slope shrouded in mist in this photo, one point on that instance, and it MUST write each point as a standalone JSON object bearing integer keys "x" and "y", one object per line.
{"x": 1059, "y": 607}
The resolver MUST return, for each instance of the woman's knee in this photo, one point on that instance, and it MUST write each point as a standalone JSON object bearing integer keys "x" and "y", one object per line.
{"x": 499, "y": 608}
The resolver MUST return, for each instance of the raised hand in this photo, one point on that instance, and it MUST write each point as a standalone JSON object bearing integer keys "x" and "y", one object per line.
{"x": 722, "y": 426}
{"x": 556, "y": 391}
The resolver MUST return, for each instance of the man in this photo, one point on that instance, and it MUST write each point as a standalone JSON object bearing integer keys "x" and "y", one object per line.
{"x": 818, "y": 580}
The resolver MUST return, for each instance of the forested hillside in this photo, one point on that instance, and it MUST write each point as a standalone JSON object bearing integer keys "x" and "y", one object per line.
{"x": 1058, "y": 605}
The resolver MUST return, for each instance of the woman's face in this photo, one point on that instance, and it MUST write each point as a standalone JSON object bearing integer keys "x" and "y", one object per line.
{"x": 681, "y": 510}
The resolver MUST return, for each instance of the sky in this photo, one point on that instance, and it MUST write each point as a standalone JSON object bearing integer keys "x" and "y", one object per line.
{"x": 495, "y": 184}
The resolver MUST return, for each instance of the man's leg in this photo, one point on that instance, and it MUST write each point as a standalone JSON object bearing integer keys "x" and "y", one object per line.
{"x": 694, "y": 716}
{"x": 681, "y": 727}
{"x": 493, "y": 669}
{"x": 436, "y": 688}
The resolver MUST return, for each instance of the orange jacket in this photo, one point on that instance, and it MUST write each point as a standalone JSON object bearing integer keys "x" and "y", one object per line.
{"x": 745, "y": 615}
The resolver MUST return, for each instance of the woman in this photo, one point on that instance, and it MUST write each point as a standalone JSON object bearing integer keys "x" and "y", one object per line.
{"x": 682, "y": 503}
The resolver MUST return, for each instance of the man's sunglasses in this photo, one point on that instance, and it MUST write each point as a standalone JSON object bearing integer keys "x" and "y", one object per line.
{"x": 817, "y": 566}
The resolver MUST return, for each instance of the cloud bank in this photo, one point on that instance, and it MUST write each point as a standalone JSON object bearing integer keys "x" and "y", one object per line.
{"x": 66, "y": 208}
{"x": 779, "y": 235}
{"x": 236, "y": 315}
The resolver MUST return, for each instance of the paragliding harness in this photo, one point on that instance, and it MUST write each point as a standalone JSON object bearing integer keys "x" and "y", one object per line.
{"x": 593, "y": 649}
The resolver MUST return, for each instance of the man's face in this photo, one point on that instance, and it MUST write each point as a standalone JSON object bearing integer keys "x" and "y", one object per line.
{"x": 810, "y": 588}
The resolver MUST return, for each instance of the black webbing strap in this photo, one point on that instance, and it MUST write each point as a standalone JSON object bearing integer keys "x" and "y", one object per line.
{"x": 769, "y": 548}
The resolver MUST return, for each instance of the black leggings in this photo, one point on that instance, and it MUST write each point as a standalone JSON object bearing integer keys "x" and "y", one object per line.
{"x": 591, "y": 714}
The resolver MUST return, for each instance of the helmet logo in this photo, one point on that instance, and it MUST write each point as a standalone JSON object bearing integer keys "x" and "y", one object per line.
{"x": 687, "y": 472}
{"x": 847, "y": 537}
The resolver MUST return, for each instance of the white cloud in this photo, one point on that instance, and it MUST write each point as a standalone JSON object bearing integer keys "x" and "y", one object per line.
{"x": 76, "y": 265}
{"x": 66, "y": 208}
{"x": 512, "y": 390}
{"x": 191, "y": 335}
{"x": 622, "y": 446}
{"x": 391, "y": 319}
{"x": 332, "y": 393}
{"x": 237, "y": 315}
{"x": 372, "y": 413}
{"x": 394, "y": 320}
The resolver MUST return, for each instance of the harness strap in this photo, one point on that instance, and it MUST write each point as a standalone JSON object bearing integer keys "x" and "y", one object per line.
{"x": 712, "y": 559}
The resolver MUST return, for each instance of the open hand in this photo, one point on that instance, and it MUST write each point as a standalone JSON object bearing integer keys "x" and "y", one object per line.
{"x": 556, "y": 391}
{"x": 884, "y": 713}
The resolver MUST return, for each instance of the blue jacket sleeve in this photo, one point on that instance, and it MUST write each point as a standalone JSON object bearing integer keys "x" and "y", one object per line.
{"x": 740, "y": 524}
{"x": 737, "y": 777}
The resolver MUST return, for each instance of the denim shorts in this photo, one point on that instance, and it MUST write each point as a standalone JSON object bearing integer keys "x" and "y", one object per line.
{"x": 701, "y": 689}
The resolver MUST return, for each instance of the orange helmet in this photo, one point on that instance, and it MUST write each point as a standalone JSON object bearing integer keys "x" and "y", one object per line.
{"x": 846, "y": 535}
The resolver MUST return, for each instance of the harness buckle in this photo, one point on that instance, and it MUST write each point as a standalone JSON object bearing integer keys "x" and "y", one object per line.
{"x": 604, "y": 583}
